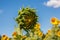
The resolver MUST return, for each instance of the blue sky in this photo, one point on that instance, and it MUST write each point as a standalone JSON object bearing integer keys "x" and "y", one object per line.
{"x": 9, "y": 10}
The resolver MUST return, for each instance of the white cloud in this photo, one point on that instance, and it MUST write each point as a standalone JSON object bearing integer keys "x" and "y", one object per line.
{"x": 1, "y": 11}
{"x": 53, "y": 3}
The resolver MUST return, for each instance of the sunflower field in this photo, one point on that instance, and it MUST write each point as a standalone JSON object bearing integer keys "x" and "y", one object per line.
{"x": 28, "y": 27}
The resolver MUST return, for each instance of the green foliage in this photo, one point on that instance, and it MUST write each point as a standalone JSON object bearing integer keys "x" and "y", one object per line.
{"x": 26, "y": 18}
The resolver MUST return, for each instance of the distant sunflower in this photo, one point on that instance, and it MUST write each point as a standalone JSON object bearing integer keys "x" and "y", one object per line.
{"x": 47, "y": 35}
{"x": 14, "y": 34}
{"x": 59, "y": 21}
{"x": 54, "y": 21}
{"x": 37, "y": 26}
{"x": 49, "y": 31}
{"x": 58, "y": 34}
{"x": 40, "y": 34}
{"x": 27, "y": 18}
{"x": 4, "y": 37}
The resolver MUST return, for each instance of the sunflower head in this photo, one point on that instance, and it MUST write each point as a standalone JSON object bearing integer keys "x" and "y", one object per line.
{"x": 58, "y": 33}
{"x": 27, "y": 18}
{"x": 49, "y": 31}
{"x": 54, "y": 21}
{"x": 59, "y": 21}
{"x": 14, "y": 33}
{"x": 4, "y": 37}
{"x": 37, "y": 26}
{"x": 40, "y": 34}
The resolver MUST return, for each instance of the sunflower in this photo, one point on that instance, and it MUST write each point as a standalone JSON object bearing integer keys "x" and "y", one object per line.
{"x": 14, "y": 34}
{"x": 58, "y": 34}
{"x": 4, "y": 37}
{"x": 54, "y": 21}
{"x": 37, "y": 26}
{"x": 40, "y": 34}
{"x": 7, "y": 38}
{"x": 49, "y": 31}
{"x": 47, "y": 35}
{"x": 27, "y": 18}
{"x": 59, "y": 21}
